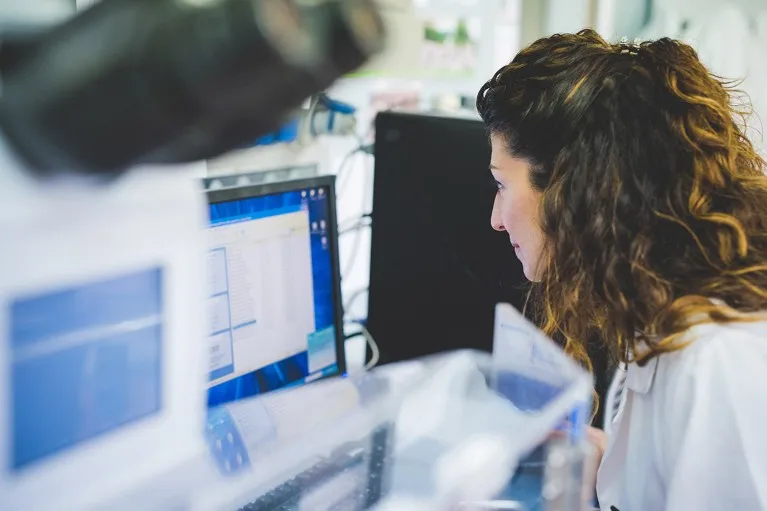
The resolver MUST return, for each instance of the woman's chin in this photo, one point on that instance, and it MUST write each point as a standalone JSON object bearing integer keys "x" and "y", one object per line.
{"x": 531, "y": 274}
{"x": 530, "y": 270}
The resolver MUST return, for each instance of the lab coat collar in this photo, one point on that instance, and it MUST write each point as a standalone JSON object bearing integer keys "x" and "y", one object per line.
{"x": 640, "y": 379}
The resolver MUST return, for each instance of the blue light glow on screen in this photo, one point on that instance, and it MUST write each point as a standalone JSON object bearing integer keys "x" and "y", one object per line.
{"x": 85, "y": 361}
{"x": 295, "y": 369}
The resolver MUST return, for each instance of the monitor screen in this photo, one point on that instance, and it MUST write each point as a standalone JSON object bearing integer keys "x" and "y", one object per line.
{"x": 274, "y": 296}
{"x": 85, "y": 360}
{"x": 433, "y": 252}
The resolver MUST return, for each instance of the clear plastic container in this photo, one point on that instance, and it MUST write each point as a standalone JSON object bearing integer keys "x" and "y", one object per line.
{"x": 447, "y": 432}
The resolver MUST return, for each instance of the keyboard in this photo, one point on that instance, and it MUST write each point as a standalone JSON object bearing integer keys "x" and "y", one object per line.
{"x": 353, "y": 478}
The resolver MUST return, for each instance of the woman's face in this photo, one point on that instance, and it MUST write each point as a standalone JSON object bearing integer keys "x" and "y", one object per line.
{"x": 515, "y": 210}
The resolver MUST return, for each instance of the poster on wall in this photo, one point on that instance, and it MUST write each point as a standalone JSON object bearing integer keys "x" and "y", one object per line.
{"x": 401, "y": 5}
{"x": 450, "y": 46}
{"x": 445, "y": 4}
{"x": 428, "y": 40}
{"x": 393, "y": 97}
{"x": 84, "y": 4}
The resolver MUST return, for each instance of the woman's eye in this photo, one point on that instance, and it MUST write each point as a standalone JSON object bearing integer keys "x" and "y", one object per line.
{"x": 497, "y": 185}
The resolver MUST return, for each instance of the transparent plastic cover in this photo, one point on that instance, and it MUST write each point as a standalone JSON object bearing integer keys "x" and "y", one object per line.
{"x": 428, "y": 434}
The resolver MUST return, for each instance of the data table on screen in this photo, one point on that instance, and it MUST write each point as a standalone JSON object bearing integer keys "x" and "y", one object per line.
{"x": 265, "y": 301}
{"x": 274, "y": 256}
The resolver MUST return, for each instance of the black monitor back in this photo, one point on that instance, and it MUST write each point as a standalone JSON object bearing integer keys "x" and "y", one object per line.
{"x": 437, "y": 267}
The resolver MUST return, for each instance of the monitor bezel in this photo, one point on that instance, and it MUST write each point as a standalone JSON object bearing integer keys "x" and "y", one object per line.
{"x": 329, "y": 183}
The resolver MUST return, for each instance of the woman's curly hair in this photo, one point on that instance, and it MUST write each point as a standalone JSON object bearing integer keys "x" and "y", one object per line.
{"x": 654, "y": 202}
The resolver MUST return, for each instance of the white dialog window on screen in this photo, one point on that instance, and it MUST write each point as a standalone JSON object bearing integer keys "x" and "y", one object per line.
{"x": 262, "y": 304}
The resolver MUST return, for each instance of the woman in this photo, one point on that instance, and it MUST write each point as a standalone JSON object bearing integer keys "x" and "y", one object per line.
{"x": 639, "y": 209}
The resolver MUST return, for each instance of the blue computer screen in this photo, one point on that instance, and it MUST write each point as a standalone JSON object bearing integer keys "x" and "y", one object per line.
{"x": 271, "y": 297}
{"x": 85, "y": 360}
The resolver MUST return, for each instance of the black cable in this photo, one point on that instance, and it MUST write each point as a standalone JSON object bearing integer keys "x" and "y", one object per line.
{"x": 341, "y": 177}
{"x": 359, "y": 223}
{"x": 355, "y": 248}
{"x": 367, "y": 188}
{"x": 346, "y": 224}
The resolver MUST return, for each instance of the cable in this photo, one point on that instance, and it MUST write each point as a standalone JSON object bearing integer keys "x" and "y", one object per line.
{"x": 368, "y": 182}
{"x": 344, "y": 225}
{"x": 375, "y": 353}
{"x": 353, "y": 298}
{"x": 335, "y": 117}
{"x": 367, "y": 189}
{"x": 355, "y": 248}
{"x": 342, "y": 176}
{"x": 341, "y": 180}
{"x": 313, "y": 104}
{"x": 359, "y": 223}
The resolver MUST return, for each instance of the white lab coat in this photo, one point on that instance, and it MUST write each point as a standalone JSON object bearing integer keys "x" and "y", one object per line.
{"x": 691, "y": 427}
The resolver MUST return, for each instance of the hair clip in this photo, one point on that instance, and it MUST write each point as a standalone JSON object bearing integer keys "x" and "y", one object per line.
{"x": 630, "y": 48}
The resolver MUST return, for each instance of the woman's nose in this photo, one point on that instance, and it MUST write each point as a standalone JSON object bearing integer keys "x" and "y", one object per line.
{"x": 496, "y": 220}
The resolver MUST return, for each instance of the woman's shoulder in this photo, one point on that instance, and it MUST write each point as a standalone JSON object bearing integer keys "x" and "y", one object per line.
{"x": 708, "y": 411}
{"x": 723, "y": 351}
{"x": 707, "y": 338}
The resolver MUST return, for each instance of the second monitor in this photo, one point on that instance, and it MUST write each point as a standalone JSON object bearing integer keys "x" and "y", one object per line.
{"x": 437, "y": 268}
{"x": 274, "y": 299}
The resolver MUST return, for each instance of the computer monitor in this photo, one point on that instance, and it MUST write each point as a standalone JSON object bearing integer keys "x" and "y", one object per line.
{"x": 291, "y": 173}
{"x": 437, "y": 268}
{"x": 274, "y": 294}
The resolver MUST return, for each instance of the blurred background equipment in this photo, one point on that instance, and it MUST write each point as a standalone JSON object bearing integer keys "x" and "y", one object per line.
{"x": 437, "y": 268}
{"x": 290, "y": 173}
{"x": 194, "y": 79}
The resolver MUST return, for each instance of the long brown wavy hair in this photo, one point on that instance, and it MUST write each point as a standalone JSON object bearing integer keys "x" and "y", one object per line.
{"x": 654, "y": 202}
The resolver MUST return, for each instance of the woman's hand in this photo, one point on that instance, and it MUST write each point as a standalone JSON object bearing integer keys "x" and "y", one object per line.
{"x": 597, "y": 442}
{"x": 596, "y": 445}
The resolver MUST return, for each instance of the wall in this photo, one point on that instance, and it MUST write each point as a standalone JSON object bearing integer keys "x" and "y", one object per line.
{"x": 566, "y": 15}
{"x": 730, "y": 38}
